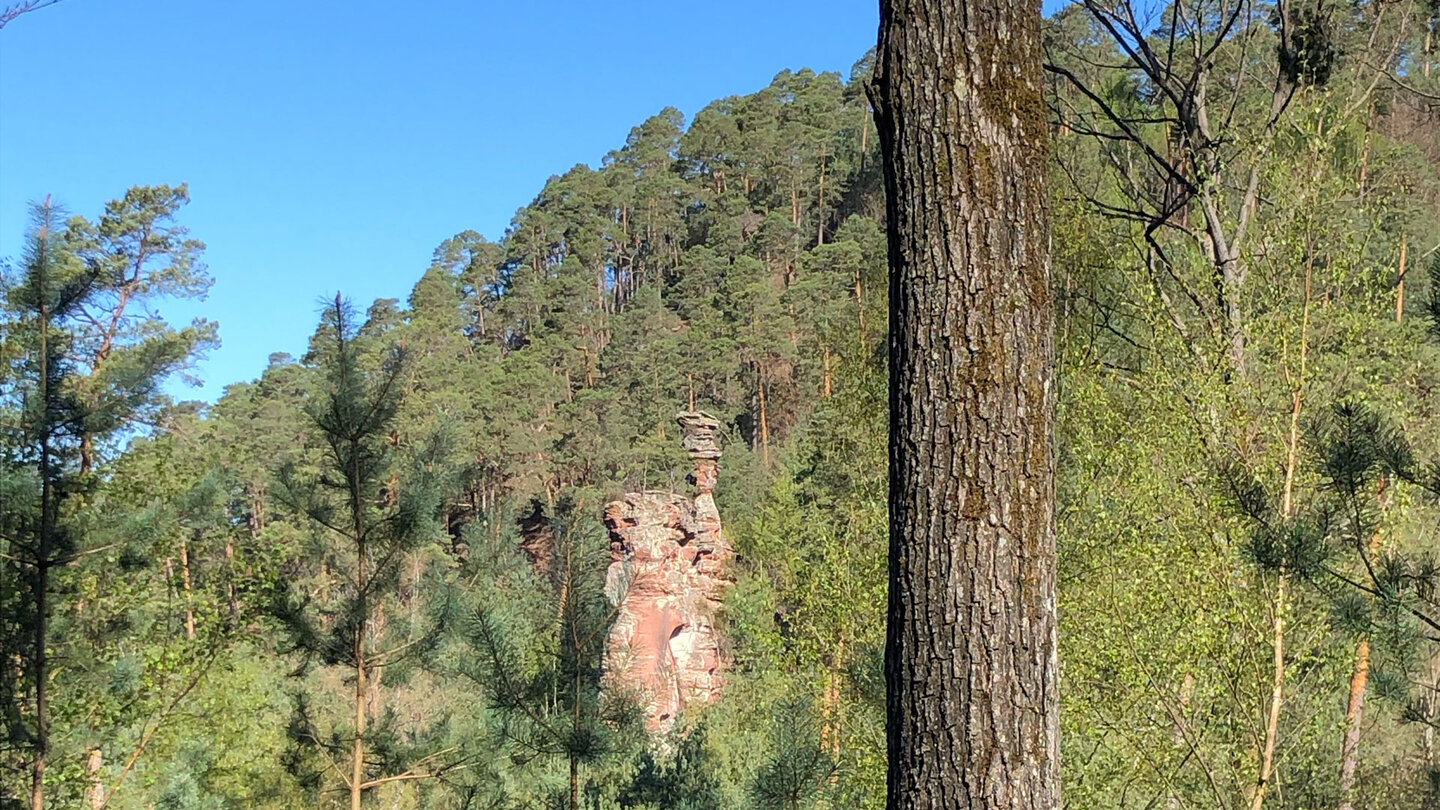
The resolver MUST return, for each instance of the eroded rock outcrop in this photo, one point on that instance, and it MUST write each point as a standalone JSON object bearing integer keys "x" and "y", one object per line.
{"x": 667, "y": 576}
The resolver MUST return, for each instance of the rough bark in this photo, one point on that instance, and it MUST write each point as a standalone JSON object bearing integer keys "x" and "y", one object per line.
{"x": 971, "y": 648}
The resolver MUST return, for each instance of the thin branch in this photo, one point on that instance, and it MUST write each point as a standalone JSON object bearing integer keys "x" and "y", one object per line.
{"x": 1124, "y": 126}
{"x": 10, "y": 13}
{"x": 159, "y": 721}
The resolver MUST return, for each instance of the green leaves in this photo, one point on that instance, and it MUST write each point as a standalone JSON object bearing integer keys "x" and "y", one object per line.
{"x": 795, "y": 769}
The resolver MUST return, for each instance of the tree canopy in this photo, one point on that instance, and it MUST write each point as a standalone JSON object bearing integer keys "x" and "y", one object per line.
{"x": 316, "y": 589}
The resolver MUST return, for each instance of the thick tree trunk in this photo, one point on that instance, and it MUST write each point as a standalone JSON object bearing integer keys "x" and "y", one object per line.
{"x": 971, "y": 649}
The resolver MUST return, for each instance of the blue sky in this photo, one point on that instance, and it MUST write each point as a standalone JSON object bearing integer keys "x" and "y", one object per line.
{"x": 333, "y": 145}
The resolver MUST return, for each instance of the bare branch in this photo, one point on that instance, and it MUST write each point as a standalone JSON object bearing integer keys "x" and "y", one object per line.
{"x": 11, "y": 12}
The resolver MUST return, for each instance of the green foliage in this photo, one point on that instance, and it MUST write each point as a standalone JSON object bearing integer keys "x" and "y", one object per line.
{"x": 371, "y": 517}
{"x": 795, "y": 768}
{"x": 1386, "y": 594}
{"x": 535, "y": 643}
{"x": 86, "y": 615}
{"x": 417, "y": 497}
{"x": 683, "y": 780}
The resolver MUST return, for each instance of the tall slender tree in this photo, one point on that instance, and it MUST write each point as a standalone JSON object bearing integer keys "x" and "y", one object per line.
{"x": 60, "y": 406}
{"x": 369, "y": 518}
{"x": 971, "y": 642}
{"x": 40, "y": 471}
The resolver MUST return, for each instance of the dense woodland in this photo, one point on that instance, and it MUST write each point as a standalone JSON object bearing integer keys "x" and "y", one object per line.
{"x": 316, "y": 590}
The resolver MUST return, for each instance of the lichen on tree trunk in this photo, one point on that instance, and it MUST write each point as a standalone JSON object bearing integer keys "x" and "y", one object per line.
{"x": 971, "y": 650}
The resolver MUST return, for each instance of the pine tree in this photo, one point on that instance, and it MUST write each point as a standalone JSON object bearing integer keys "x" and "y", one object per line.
{"x": 538, "y": 650}
{"x": 66, "y": 410}
{"x": 683, "y": 780}
{"x": 368, "y": 518}
{"x": 1388, "y": 595}
{"x": 41, "y": 476}
{"x": 139, "y": 257}
{"x": 796, "y": 767}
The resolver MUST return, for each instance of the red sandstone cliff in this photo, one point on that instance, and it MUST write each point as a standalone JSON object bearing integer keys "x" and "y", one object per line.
{"x": 667, "y": 576}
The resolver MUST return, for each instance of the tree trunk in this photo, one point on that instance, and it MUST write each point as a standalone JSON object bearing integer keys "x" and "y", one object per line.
{"x": 230, "y": 580}
{"x": 820, "y": 228}
{"x": 95, "y": 794}
{"x": 860, "y": 308}
{"x": 1287, "y": 510}
{"x": 41, "y": 745}
{"x": 1355, "y": 704}
{"x": 1277, "y": 696}
{"x": 1350, "y": 748}
{"x": 764, "y": 418}
{"x": 1365, "y": 151}
{"x": 1429, "y": 43}
{"x": 1177, "y": 734}
{"x": 971, "y": 648}
{"x": 185, "y": 585}
{"x": 1430, "y": 712}
{"x": 1400, "y": 282}
{"x": 357, "y": 751}
{"x": 825, "y": 353}
{"x": 831, "y": 708}
{"x": 43, "y": 551}
{"x": 794, "y": 202}
{"x": 864, "y": 143}
{"x": 574, "y": 783}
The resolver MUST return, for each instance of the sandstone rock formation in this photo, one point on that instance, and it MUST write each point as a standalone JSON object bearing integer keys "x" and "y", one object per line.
{"x": 667, "y": 576}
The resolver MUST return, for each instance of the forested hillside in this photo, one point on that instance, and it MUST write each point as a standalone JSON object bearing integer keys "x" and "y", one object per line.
{"x": 324, "y": 587}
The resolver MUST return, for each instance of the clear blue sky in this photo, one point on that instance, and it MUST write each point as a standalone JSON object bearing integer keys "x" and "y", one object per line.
{"x": 333, "y": 145}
